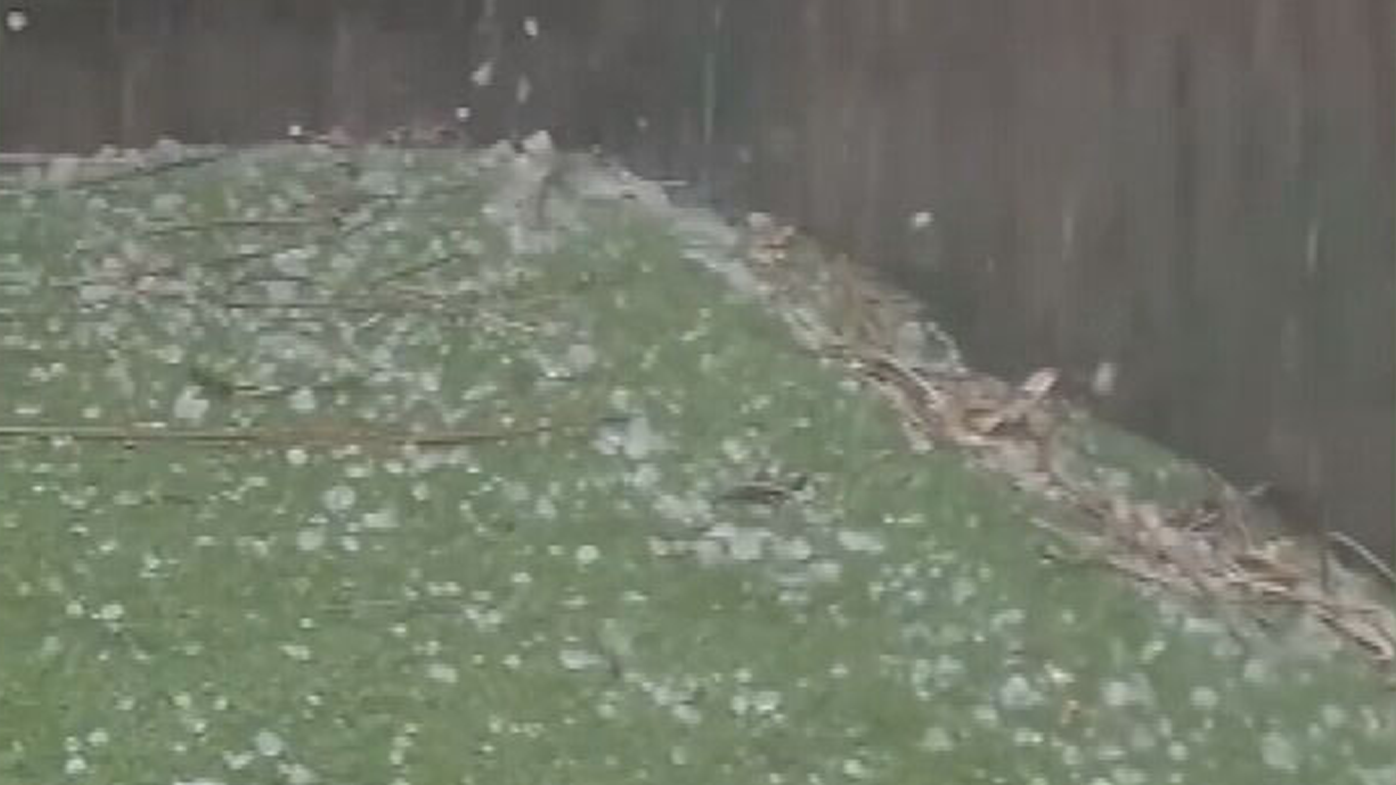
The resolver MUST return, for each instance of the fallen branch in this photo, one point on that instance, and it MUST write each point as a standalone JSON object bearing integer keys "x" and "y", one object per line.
{"x": 418, "y": 269}
{"x": 1365, "y": 555}
{"x": 152, "y": 169}
{"x": 346, "y": 307}
{"x": 270, "y": 436}
{"x": 230, "y": 223}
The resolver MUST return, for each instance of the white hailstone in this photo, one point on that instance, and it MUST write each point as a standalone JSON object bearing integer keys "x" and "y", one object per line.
{"x": 380, "y": 520}
{"x": 745, "y": 544}
{"x": 167, "y": 203}
{"x": 859, "y": 542}
{"x": 1118, "y": 693}
{"x": 1105, "y": 379}
{"x": 268, "y": 744}
{"x": 112, "y": 611}
{"x": 579, "y": 659}
{"x": 483, "y": 76}
{"x": 310, "y": 539}
{"x": 580, "y": 357}
{"x": 339, "y": 498}
{"x": 190, "y": 406}
{"x": 302, "y": 400}
{"x": 640, "y": 439}
{"x": 936, "y": 739}
{"x": 443, "y": 672}
{"x": 1204, "y": 698}
{"x": 299, "y": 774}
{"x": 1278, "y": 752}
{"x": 1018, "y": 693}
{"x": 63, "y": 170}
{"x": 825, "y": 571}
{"x": 539, "y": 144}
{"x": 794, "y": 549}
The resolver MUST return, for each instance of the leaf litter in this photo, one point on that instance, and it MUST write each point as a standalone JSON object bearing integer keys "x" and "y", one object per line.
{"x": 1220, "y": 547}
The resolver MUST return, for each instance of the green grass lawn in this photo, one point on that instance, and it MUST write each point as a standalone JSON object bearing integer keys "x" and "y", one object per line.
{"x": 560, "y": 596}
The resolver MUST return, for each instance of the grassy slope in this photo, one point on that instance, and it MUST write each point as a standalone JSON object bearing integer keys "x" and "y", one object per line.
{"x": 570, "y": 607}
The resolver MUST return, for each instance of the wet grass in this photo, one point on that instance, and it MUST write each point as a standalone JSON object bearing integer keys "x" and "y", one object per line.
{"x": 574, "y": 605}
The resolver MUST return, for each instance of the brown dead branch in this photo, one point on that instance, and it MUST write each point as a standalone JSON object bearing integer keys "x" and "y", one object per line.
{"x": 324, "y": 437}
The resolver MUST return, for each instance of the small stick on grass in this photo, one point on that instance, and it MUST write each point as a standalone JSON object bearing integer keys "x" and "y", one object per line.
{"x": 1365, "y": 555}
{"x": 418, "y": 269}
{"x": 230, "y": 223}
{"x": 150, "y": 170}
{"x": 263, "y": 436}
